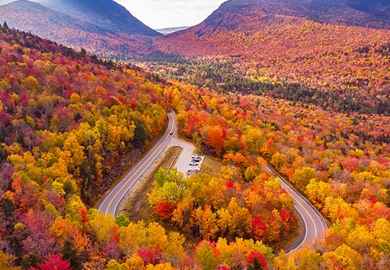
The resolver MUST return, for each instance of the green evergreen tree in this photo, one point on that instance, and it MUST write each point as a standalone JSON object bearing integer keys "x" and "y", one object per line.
{"x": 70, "y": 254}
{"x": 256, "y": 265}
{"x": 140, "y": 135}
{"x": 30, "y": 261}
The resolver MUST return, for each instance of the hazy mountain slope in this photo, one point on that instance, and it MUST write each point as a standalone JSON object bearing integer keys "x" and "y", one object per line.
{"x": 107, "y": 14}
{"x": 256, "y": 16}
{"x": 380, "y": 8}
{"x": 45, "y": 20}
{"x": 170, "y": 30}
{"x": 75, "y": 31}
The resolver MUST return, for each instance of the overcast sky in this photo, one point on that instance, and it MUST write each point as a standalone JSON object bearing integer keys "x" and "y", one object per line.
{"x": 170, "y": 13}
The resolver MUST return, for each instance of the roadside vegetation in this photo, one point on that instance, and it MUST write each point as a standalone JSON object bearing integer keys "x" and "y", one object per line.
{"x": 137, "y": 207}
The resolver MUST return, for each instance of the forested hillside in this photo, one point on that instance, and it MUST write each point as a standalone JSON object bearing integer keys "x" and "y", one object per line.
{"x": 339, "y": 161}
{"x": 305, "y": 50}
{"x": 66, "y": 120}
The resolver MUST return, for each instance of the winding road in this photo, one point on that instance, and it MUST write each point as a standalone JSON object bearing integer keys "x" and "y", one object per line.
{"x": 110, "y": 202}
{"x": 314, "y": 225}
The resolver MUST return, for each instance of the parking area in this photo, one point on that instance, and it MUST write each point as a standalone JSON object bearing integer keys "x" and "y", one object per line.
{"x": 188, "y": 163}
{"x": 195, "y": 163}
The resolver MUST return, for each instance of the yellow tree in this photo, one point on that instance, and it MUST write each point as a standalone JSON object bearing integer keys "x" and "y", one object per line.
{"x": 344, "y": 257}
{"x": 302, "y": 177}
{"x": 205, "y": 221}
{"x": 241, "y": 219}
{"x": 7, "y": 262}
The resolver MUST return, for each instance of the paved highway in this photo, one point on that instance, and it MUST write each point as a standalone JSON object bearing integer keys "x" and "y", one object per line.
{"x": 109, "y": 204}
{"x": 314, "y": 225}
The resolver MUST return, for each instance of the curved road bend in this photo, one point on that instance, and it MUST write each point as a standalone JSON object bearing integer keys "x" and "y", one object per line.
{"x": 110, "y": 202}
{"x": 313, "y": 222}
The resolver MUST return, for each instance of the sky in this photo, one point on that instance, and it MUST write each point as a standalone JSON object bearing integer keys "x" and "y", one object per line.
{"x": 159, "y": 14}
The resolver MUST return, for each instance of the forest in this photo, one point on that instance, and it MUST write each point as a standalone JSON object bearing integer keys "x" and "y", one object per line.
{"x": 336, "y": 66}
{"x": 66, "y": 118}
{"x": 231, "y": 76}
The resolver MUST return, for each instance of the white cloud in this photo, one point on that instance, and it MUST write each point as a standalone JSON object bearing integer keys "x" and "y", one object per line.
{"x": 171, "y": 13}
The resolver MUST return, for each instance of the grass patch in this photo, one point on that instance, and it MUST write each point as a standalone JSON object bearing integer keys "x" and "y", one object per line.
{"x": 137, "y": 207}
{"x": 211, "y": 166}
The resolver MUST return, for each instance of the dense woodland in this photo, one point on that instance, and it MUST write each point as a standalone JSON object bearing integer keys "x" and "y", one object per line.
{"x": 327, "y": 156}
{"x": 65, "y": 117}
{"x": 230, "y": 76}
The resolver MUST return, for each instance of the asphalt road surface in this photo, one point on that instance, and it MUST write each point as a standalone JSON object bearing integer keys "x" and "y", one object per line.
{"x": 314, "y": 225}
{"x": 109, "y": 204}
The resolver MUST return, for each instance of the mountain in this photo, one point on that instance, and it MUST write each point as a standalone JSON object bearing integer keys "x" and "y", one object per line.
{"x": 380, "y": 8}
{"x": 256, "y": 17}
{"x": 170, "y": 30}
{"x": 330, "y": 46}
{"x": 101, "y": 27}
{"x": 350, "y": 12}
{"x": 106, "y": 14}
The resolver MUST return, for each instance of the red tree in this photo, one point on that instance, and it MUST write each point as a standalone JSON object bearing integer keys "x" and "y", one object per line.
{"x": 53, "y": 262}
{"x": 164, "y": 209}
{"x": 255, "y": 255}
{"x": 258, "y": 227}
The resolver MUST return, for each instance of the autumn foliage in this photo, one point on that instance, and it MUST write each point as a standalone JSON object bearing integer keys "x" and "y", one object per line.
{"x": 339, "y": 161}
{"x": 66, "y": 118}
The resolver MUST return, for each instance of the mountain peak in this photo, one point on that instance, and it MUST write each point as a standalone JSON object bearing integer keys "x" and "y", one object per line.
{"x": 366, "y": 13}
{"x": 106, "y": 14}
{"x": 102, "y": 27}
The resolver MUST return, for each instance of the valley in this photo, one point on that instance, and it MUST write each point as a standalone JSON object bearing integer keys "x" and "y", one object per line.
{"x": 283, "y": 95}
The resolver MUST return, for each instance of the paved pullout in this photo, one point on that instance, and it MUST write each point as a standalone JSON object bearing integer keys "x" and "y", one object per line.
{"x": 314, "y": 225}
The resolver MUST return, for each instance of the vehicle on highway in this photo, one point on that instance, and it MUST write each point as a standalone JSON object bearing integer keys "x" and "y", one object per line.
{"x": 171, "y": 133}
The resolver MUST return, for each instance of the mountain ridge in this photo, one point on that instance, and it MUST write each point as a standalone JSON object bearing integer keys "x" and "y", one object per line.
{"x": 349, "y": 12}
{"x": 107, "y": 14}
{"x": 71, "y": 28}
